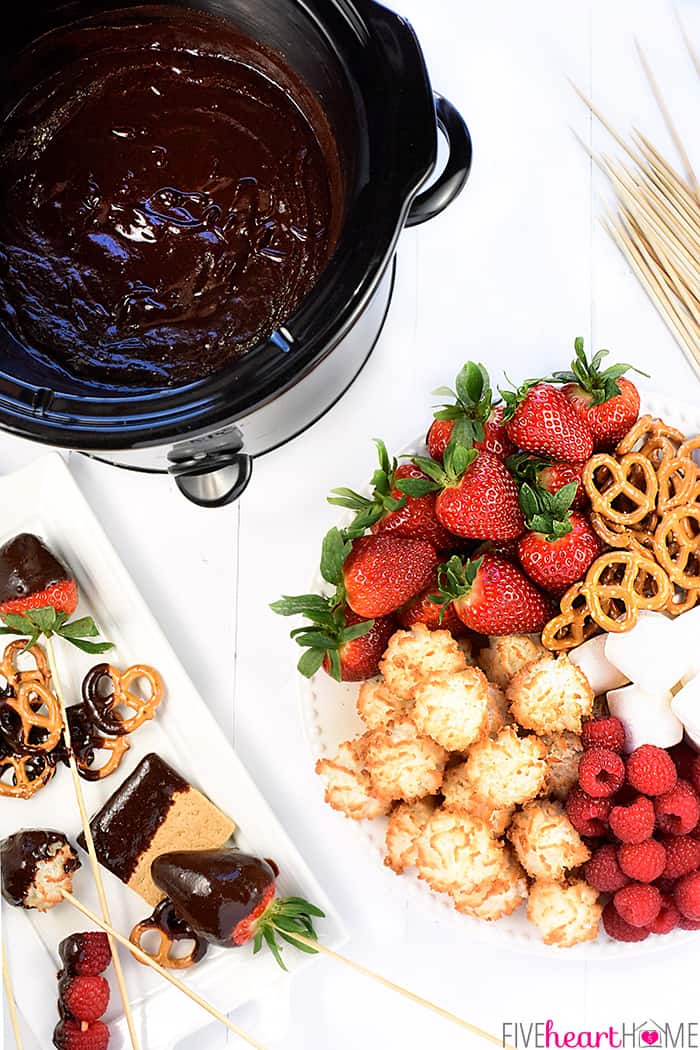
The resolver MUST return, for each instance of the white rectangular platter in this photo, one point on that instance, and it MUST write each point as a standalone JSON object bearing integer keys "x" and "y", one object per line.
{"x": 44, "y": 499}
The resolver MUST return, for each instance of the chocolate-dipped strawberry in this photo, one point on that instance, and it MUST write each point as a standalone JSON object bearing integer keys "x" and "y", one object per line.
{"x": 36, "y": 865}
{"x": 31, "y": 577}
{"x": 230, "y": 898}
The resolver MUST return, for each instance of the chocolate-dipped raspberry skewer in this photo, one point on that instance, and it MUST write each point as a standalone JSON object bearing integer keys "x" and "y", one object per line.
{"x": 10, "y": 999}
{"x": 45, "y": 623}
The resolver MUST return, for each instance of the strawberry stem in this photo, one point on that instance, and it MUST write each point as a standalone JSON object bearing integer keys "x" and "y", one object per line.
{"x": 601, "y": 383}
{"x": 47, "y": 622}
{"x": 285, "y": 917}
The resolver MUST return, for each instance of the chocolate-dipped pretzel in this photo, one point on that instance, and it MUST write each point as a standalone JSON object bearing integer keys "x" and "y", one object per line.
{"x": 86, "y": 740}
{"x": 105, "y": 689}
{"x": 22, "y": 722}
{"x": 171, "y": 930}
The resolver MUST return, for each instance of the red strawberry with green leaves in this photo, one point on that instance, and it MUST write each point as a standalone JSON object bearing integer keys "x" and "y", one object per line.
{"x": 548, "y": 474}
{"x": 470, "y": 416}
{"x": 346, "y": 646}
{"x": 477, "y": 497}
{"x": 560, "y": 545}
{"x": 229, "y": 898}
{"x": 493, "y": 596}
{"x": 382, "y": 573}
{"x": 31, "y": 577}
{"x": 603, "y": 400}
{"x": 389, "y": 510}
{"x": 424, "y": 609}
{"x": 540, "y": 418}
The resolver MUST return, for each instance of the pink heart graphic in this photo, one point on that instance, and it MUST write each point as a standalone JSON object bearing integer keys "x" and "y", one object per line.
{"x": 650, "y": 1037}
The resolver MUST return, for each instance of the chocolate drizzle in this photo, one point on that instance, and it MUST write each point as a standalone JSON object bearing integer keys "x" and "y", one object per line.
{"x": 20, "y": 857}
{"x": 27, "y": 566}
{"x": 124, "y": 828}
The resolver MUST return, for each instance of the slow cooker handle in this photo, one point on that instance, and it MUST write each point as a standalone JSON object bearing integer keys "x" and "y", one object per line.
{"x": 215, "y": 480}
{"x": 452, "y": 179}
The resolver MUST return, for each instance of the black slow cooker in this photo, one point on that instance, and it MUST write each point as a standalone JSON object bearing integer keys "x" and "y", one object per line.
{"x": 359, "y": 59}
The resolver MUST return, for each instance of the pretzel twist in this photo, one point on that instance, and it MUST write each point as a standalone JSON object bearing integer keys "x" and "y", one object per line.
{"x": 40, "y": 673}
{"x": 677, "y": 545}
{"x": 103, "y": 709}
{"x": 618, "y": 482}
{"x": 27, "y": 703}
{"x": 21, "y": 783}
{"x": 167, "y": 939}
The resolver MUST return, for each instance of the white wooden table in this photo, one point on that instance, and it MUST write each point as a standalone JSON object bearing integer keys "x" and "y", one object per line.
{"x": 514, "y": 270}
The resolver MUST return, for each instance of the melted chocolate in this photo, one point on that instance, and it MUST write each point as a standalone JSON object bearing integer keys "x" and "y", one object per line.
{"x": 213, "y": 890}
{"x": 167, "y": 197}
{"x": 27, "y": 566}
{"x": 99, "y": 702}
{"x": 125, "y": 826}
{"x": 20, "y": 857}
{"x": 165, "y": 918}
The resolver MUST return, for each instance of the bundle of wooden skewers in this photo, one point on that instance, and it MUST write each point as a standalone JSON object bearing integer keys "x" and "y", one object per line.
{"x": 656, "y": 222}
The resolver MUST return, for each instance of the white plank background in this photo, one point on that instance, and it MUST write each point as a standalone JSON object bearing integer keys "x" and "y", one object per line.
{"x": 510, "y": 275}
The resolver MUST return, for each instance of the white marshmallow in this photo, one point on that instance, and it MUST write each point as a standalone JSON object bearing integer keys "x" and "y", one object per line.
{"x": 653, "y": 655}
{"x": 601, "y": 674}
{"x": 647, "y": 718}
{"x": 686, "y": 629}
{"x": 686, "y": 707}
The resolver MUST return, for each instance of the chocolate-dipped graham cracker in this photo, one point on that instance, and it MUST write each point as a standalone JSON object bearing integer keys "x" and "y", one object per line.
{"x": 154, "y": 811}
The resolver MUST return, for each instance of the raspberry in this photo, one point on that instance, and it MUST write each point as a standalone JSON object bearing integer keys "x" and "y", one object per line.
{"x": 668, "y": 917}
{"x": 694, "y": 777}
{"x": 682, "y": 855}
{"x": 651, "y": 771}
{"x": 69, "y": 1035}
{"x": 603, "y": 871}
{"x": 637, "y": 904}
{"x": 601, "y": 772}
{"x": 687, "y": 896}
{"x": 683, "y": 757}
{"x": 604, "y": 732}
{"x": 634, "y": 822}
{"x": 588, "y": 815}
{"x": 642, "y": 861}
{"x": 85, "y": 998}
{"x": 678, "y": 810}
{"x": 85, "y": 954}
{"x": 688, "y": 924}
{"x": 618, "y": 929}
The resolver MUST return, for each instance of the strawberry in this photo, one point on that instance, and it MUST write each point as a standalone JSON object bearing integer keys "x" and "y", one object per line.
{"x": 561, "y": 545}
{"x": 540, "y": 418}
{"x": 389, "y": 509}
{"x": 31, "y": 577}
{"x": 423, "y": 609}
{"x": 477, "y": 497}
{"x": 347, "y": 646}
{"x": 607, "y": 404}
{"x": 492, "y": 596}
{"x": 235, "y": 901}
{"x": 383, "y": 572}
{"x": 548, "y": 475}
{"x": 470, "y": 416}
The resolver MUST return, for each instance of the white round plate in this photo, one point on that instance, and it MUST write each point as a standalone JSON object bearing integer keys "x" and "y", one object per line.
{"x": 328, "y": 710}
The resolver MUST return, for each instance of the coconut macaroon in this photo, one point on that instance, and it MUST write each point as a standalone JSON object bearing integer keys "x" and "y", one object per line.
{"x": 508, "y": 770}
{"x": 458, "y": 794}
{"x": 457, "y": 854}
{"x": 36, "y": 866}
{"x": 417, "y": 656}
{"x": 501, "y": 897}
{"x": 550, "y": 696}
{"x": 504, "y": 656}
{"x": 377, "y": 706}
{"x": 406, "y": 822}
{"x": 566, "y": 913}
{"x": 403, "y": 764}
{"x": 545, "y": 841}
{"x": 453, "y": 709}
{"x": 348, "y": 786}
{"x": 564, "y": 751}
{"x": 497, "y": 710}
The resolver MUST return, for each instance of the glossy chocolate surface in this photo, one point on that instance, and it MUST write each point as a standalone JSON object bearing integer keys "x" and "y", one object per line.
{"x": 167, "y": 198}
{"x": 27, "y": 566}
{"x": 213, "y": 890}
{"x": 124, "y": 827}
{"x": 20, "y": 857}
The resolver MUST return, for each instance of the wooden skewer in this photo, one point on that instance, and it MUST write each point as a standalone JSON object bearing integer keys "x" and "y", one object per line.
{"x": 665, "y": 113}
{"x": 688, "y": 43}
{"x": 10, "y": 999}
{"x": 146, "y": 959}
{"x": 89, "y": 842}
{"x": 474, "y": 1029}
{"x": 675, "y": 181}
